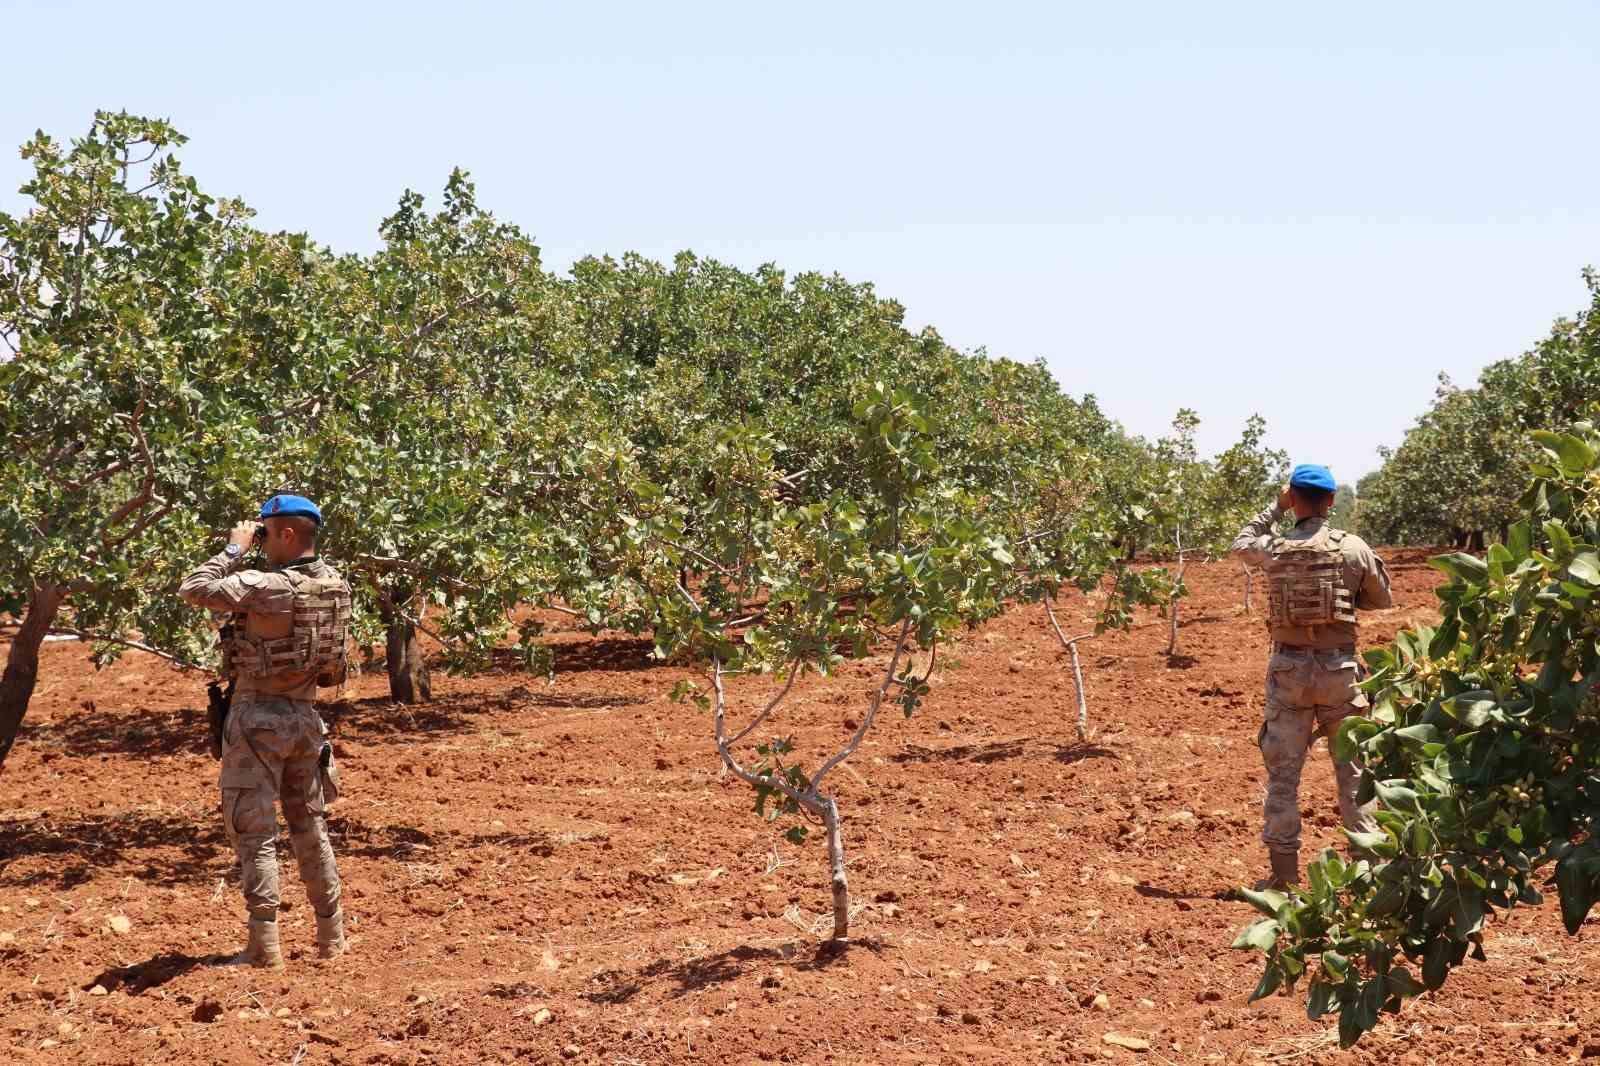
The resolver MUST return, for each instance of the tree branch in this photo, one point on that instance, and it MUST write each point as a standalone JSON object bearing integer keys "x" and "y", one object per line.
{"x": 872, "y": 710}
{"x": 99, "y": 475}
{"x": 424, "y": 331}
{"x": 141, "y": 525}
{"x": 704, "y": 558}
{"x": 419, "y": 624}
{"x": 772, "y": 704}
{"x": 807, "y": 800}
{"x": 146, "y": 493}
{"x": 385, "y": 564}
{"x": 102, "y": 638}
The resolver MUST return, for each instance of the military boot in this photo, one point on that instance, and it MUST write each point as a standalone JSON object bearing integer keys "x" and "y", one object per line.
{"x": 330, "y": 935}
{"x": 1285, "y": 871}
{"x": 263, "y": 951}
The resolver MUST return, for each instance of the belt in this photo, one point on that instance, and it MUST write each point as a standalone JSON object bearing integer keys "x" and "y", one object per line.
{"x": 1345, "y": 649}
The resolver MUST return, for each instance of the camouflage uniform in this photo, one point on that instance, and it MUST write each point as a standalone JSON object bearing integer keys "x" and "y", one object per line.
{"x": 1313, "y": 671}
{"x": 275, "y": 744}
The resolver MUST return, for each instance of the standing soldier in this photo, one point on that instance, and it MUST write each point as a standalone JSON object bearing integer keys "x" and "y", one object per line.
{"x": 1317, "y": 576}
{"x": 287, "y": 637}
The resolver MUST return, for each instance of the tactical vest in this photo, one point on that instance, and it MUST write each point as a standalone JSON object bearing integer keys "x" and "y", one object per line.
{"x": 1305, "y": 582}
{"x": 315, "y": 644}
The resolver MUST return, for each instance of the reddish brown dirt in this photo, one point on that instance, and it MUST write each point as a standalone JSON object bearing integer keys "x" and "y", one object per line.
{"x": 517, "y": 848}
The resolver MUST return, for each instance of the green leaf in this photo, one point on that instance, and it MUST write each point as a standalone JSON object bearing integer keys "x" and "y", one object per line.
{"x": 1474, "y": 714}
{"x": 1577, "y": 889}
{"x": 1271, "y": 978}
{"x": 1260, "y": 934}
{"x": 1352, "y": 731}
{"x": 1469, "y": 911}
{"x": 1574, "y": 453}
{"x": 1585, "y": 566}
{"x": 1317, "y": 875}
{"x": 1437, "y": 960}
{"x": 1387, "y": 900}
{"x": 1519, "y": 539}
{"x": 1498, "y": 559}
{"x": 1422, "y": 734}
{"x": 1397, "y": 796}
{"x": 1268, "y": 901}
{"x": 1401, "y": 983}
{"x": 1462, "y": 567}
{"x": 1376, "y": 843}
{"x": 1561, "y": 543}
{"x": 1350, "y": 1027}
{"x": 1324, "y": 999}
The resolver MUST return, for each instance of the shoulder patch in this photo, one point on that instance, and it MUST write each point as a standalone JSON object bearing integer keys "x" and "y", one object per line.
{"x": 250, "y": 578}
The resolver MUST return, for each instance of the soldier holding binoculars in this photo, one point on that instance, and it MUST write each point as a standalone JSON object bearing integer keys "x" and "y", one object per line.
{"x": 286, "y": 638}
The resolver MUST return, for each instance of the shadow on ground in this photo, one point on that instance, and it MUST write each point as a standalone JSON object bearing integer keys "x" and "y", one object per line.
{"x": 160, "y": 848}
{"x": 92, "y": 731}
{"x": 380, "y": 720}
{"x": 999, "y": 750}
{"x": 360, "y": 840}
{"x": 604, "y": 653}
{"x": 686, "y": 977}
{"x": 154, "y": 972}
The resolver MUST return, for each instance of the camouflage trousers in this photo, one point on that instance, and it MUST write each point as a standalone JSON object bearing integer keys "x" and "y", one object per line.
{"x": 270, "y": 752}
{"x": 1308, "y": 694}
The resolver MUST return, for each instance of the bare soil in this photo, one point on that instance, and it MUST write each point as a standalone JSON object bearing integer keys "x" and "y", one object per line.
{"x": 562, "y": 874}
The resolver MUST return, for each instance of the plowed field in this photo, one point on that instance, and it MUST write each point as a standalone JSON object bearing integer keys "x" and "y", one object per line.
{"x": 562, "y": 874}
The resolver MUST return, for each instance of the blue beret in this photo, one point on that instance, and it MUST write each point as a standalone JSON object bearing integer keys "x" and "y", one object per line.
{"x": 1312, "y": 476}
{"x": 286, "y": 506}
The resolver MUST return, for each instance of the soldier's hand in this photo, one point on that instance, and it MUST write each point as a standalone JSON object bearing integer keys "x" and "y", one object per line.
{"x": 242, "y": 534}
{"x": 1285, "y": 498}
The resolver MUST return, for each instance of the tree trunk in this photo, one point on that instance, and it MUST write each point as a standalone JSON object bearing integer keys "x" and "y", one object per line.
{"x": 841, "y": 884}
{"x": 1172, "y": 632}
{"x": 22, "y": 665}
{"x": 408, "y": 670}
{"x": 1077, "y": 682}
{"x": 1077, "y": 666}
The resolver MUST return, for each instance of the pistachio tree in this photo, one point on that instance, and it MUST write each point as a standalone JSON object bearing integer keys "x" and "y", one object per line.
{"x": 1038, "y": 463}
{"x": 132, "y": 396}
{"x": 423, "y": 430}
{"x": 795, "y": 589}
{"x": 1483, "y": 746}
{"x": 1200, "y": 504}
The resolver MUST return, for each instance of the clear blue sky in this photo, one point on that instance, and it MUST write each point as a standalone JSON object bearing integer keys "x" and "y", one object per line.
{"x": 1302, "y": 210}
